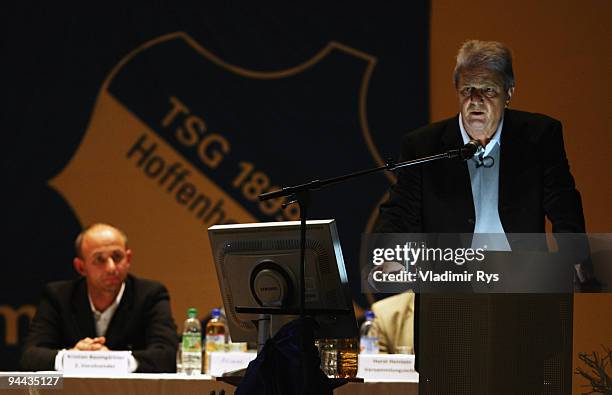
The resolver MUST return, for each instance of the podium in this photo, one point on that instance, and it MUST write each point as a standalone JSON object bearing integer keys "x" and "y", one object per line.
{"x": 495, "y": 343}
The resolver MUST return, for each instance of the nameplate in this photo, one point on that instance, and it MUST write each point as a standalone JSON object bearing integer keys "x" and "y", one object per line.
{"x": 96, "y": 362}
{"x": 387, "y": 367}
{"x": 222, "y": 362}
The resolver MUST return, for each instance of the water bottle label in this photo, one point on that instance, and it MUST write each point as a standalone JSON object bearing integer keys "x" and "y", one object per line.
{"x": 191, "y": 356}
{"x": 192, "y": 342}
{"x": 368, "y": 345}
{"x": 215, "y": 343}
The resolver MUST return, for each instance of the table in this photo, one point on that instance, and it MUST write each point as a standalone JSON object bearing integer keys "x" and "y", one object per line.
{"x": 154, "y": 384}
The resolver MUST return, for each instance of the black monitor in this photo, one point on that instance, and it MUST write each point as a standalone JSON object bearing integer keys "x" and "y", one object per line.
{"x": 258, "y": 269}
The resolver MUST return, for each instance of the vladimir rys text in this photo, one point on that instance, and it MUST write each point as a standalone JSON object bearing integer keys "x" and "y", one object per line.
{"x": 411, "y": 254}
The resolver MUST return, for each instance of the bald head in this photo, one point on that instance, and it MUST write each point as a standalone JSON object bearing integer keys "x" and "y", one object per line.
{"x": 104, "y": 260}
{"x": 101, "y": 229}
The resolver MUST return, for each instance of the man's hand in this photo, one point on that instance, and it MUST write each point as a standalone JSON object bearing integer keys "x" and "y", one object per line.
{"x": 89, "y": 344}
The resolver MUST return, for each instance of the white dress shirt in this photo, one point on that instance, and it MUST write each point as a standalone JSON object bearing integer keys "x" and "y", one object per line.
{"x": 103, "y": 318}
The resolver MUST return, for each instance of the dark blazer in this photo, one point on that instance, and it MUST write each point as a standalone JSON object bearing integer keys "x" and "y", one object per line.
{"x": 534, "y": 181}
{"x": 142, "y": 323}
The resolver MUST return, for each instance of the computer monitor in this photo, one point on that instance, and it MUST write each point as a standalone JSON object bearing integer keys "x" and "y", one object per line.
{"x": 258, "y": 267}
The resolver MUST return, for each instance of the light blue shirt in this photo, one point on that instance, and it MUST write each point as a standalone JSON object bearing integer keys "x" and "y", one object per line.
{"x": 488, "y": 230}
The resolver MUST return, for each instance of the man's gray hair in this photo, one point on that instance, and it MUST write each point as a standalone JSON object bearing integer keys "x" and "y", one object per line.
{"x": 491, "y": 55}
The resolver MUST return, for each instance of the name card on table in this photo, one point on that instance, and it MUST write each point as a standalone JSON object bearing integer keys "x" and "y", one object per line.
{"x": 387, "y": 367}
{"x": 222, "y": 362}
{"x": 96, "y": 362}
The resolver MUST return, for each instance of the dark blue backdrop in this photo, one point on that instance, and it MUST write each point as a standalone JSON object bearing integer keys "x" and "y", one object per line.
{"x": 55, "y": 58}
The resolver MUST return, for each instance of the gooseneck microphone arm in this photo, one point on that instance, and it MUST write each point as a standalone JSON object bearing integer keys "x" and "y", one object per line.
{"x": 464, "y": 153}
{"x": 301, "y": 194}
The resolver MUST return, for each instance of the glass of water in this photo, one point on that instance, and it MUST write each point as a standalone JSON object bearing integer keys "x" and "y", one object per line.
{"x": 328, "y": 352}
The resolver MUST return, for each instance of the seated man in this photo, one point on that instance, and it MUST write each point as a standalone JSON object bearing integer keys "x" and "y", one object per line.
{"x": 394, "y": 323}
{"x": 105, "y": 309}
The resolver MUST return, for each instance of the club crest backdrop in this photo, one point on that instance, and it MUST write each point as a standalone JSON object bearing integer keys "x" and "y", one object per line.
{"x": 166, "y": 120}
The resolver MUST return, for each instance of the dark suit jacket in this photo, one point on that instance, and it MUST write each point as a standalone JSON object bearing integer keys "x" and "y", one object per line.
{"x": 534, "y": 181}
{"x": 142, "y": 323}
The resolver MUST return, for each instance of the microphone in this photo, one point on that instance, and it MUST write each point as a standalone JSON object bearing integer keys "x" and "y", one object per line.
{"x": 465, "y": 152}
{"x": 468, "y": 150}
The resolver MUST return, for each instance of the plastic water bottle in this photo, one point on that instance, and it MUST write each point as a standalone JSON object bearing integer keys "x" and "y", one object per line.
{"x": 216, "y": 335}
{"x": 192, "y": 344}
{"x": 368, "y": 343}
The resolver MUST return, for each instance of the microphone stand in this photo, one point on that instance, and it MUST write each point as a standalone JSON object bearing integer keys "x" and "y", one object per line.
{"x": 300, "y": 194}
